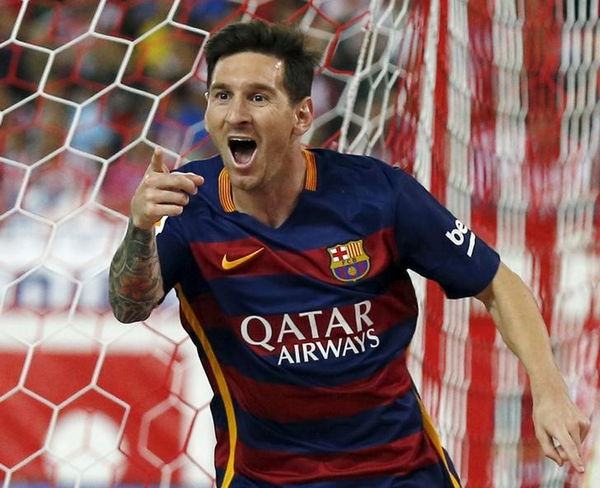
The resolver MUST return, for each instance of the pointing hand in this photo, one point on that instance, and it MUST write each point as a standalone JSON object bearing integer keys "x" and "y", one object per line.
{"x": 161, "y": 193}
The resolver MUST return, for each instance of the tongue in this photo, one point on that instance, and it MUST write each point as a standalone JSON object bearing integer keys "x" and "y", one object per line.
{"x": 243, "y": 155}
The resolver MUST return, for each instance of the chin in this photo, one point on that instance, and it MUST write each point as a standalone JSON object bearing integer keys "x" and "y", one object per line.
{"x": 243, "y": 182}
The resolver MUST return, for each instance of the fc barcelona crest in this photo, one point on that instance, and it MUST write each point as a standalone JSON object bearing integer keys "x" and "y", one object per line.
{"x": 348, "y": 261}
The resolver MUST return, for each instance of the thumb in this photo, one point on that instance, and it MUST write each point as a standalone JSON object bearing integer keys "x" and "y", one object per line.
{"x": 156, "y": 164}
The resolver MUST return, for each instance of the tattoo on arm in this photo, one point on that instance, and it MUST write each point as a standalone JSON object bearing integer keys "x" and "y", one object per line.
{"x": 135, "y": 281}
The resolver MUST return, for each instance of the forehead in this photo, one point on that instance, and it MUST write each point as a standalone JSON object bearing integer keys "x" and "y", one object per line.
{"x": 247, "y": 68}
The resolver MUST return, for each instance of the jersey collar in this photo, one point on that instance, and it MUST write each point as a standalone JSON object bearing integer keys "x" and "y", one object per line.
{"x": 226, "y": 193}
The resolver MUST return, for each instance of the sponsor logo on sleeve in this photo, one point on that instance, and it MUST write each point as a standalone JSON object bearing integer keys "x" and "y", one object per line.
{"x": 458, "y": 234}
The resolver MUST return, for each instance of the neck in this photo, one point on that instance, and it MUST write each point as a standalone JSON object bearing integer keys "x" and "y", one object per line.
{"x": 274, "y": 202}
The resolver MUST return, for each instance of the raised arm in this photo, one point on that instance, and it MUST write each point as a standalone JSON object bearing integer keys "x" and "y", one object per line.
{"x": 135, "y": 281}
{"x": 560, "y": 426}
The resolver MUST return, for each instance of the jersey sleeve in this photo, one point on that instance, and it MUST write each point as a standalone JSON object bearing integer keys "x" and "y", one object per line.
{"x": 434, "y": 243}
{"x": 174, "y": 253}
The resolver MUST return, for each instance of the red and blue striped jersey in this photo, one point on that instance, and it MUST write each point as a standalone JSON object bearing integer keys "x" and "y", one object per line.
{"x": 303, "y": 329}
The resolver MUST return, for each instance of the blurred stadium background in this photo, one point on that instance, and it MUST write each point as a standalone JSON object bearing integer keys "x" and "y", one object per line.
{"x": 492, "y": 104}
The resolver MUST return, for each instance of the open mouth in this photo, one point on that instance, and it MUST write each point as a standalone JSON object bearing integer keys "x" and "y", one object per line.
{"x": 242, "y": 150}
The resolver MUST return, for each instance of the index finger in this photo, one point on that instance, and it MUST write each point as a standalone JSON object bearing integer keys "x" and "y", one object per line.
{"x": 156, "y": 163}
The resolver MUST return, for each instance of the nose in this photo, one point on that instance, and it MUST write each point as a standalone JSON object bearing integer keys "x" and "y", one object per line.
{"x": 237, "y": 112}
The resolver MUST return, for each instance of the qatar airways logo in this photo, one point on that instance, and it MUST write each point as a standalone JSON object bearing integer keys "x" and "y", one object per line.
{"x": 314, "y": 335}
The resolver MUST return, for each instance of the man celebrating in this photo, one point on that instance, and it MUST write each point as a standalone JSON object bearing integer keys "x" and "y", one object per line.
{"x": 291, "y": 270}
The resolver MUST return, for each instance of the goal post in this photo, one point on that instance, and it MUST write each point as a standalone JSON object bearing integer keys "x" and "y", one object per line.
{"x": 494, "y": 105}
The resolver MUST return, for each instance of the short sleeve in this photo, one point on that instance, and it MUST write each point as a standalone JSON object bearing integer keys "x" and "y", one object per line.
{"x": 434, "y": 243}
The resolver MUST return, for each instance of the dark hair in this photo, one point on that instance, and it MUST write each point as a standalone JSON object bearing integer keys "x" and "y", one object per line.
{"x": 281, "y": 41}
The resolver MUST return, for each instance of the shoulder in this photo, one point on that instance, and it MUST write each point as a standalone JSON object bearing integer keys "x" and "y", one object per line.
{"x": 347, "y": 160}
{"x": 355, "y": 162}
{"x": 365, "y": 171}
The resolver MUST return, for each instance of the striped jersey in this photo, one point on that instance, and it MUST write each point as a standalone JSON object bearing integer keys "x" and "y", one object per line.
{"x": 303, "y": 329}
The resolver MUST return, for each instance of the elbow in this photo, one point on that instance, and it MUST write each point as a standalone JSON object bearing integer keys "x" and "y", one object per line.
{"x": 504, "y": 279}
{"x": 128, "y": 317}
{"x": 128, "y": 312}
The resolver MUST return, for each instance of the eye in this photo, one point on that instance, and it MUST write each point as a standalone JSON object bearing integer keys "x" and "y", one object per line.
{"x": 221, "y": 95}
{"x": 258, "y": 97}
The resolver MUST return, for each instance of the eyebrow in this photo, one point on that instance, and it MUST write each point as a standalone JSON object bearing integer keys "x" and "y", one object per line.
{"x": 251, "y": 86}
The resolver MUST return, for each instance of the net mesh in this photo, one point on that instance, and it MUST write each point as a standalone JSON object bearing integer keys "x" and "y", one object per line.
{"x": 493, "y": 105}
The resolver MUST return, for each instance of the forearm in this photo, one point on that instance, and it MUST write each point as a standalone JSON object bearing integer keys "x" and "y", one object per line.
{"x": 520, "y": 323}
{"x": 559, "y": 425}
{"x": 135, "y": 281}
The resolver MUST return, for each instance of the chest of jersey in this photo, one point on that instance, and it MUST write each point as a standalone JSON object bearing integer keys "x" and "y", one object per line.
{"x": 289, "y": 298}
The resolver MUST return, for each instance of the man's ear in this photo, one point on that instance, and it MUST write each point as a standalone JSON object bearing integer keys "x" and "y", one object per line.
{"x": 304, "y": 116}
{"x": 206, "y": 123}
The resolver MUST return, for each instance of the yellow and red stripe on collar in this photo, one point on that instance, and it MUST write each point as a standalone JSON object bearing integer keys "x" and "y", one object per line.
{"x": 226, "y": 193}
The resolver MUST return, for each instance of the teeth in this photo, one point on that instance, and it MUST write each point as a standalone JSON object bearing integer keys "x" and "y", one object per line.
{"x": 242, "y": 149}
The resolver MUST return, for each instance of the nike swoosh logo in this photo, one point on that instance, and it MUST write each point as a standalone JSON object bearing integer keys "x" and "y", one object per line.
{"x": 227, "y": 265}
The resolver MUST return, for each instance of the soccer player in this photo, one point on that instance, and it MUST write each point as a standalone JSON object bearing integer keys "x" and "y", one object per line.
{"x": 290, "y": 266}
